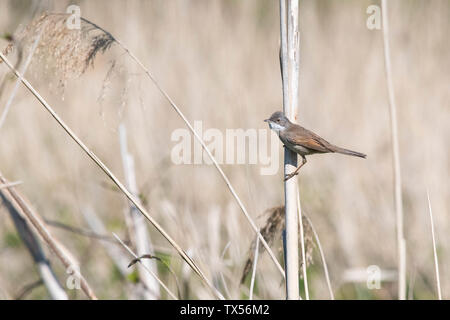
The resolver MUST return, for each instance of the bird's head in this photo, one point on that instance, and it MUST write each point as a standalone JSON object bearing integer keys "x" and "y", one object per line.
{"x": 278, "y": 121}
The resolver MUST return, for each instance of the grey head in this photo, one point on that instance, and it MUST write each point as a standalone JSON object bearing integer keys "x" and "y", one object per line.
{"x": 278, "y": 121}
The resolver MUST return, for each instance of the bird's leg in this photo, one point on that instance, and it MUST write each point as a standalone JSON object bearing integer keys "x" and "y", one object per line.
{"x": 288, "y": 176}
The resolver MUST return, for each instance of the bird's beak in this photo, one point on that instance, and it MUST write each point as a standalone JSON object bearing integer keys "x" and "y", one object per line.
{"x": 267, "y": 120}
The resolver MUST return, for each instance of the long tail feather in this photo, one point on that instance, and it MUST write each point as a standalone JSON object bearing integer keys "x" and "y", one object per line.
{"x": 350, "y": 152}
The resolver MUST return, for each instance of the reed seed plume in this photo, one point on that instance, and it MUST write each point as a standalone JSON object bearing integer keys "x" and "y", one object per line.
{"x": 66, "y": 51}
{"x": 272, "y": 230}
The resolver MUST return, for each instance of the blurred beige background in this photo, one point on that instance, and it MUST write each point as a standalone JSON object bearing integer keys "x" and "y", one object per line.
{"x": 218, "y": 60}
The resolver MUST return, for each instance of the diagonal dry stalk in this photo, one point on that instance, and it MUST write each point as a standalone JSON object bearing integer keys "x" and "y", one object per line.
{"x": 25, "y": 210}
{"x": 116, "y": 181}
{"x": 401, "y": 242}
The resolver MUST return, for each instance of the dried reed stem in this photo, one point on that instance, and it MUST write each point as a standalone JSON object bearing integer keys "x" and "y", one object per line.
{"x": 436, "y": 262}
{"x": 116, "y": 181}
{"x": 25, "y": 210}
{"x": 401, "y": 242}
{"x": 289, "y": 57}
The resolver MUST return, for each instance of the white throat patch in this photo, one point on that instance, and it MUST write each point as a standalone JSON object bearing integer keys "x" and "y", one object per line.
{"x": 276, "y": 127}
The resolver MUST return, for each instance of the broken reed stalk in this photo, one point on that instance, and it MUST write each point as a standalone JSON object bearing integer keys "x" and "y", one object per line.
{"x": 401, "y": 242}
{"x": 436, "y": 262}
{"x": 145, "y": 267}
{"x": 116, "y": 181}
{"x": 25, "y": 210}
{"x": 289, "y": 58}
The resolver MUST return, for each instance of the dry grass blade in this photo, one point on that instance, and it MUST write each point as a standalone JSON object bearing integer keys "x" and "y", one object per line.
{"x": 436, "y": 262}
{"x": 137, "y": 259}
{"x": 116, "y": 181}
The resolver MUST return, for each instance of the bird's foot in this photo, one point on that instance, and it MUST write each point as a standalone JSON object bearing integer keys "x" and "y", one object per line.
{"x": 288, "y": 176}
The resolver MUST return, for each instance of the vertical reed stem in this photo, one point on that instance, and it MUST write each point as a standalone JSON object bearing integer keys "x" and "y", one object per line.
{"x": 401, "y": 243}
{"x": 289, "y": 58}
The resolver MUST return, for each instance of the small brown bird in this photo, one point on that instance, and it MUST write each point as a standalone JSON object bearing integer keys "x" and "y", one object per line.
{"x": 303, "y": 141}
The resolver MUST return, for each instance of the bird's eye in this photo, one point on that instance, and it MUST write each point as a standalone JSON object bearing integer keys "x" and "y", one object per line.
{"x": 278, "y": 120}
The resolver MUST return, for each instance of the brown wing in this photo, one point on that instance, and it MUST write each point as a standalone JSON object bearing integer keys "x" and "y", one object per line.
{"x": 298, "y": 135}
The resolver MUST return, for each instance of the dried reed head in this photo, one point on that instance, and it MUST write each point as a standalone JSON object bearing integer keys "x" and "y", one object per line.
{"x": 272, "y": 230}
{"x": 68, "y": 51}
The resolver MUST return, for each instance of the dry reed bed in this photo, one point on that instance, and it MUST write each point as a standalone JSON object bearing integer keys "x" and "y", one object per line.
{"x": 349, "y": 204}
